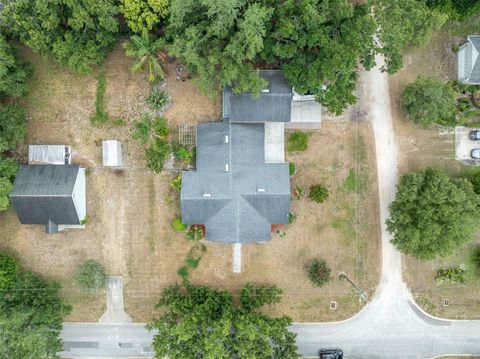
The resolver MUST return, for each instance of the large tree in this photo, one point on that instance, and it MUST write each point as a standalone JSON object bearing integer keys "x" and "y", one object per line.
{"x": 319, "y": 44}
{"x": 219, "y": 41}
{"x": 433, "y": 214}
{"x": 403, "y": 23}
{"x": 204, "y": 323}
{"x": 77, "y": 33}
{"x": 31, "y": 315}
{"x": 428, "y": 101}
{"x": 13, "y": 74}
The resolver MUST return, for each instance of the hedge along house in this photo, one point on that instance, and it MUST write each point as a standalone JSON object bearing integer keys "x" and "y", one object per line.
{"x": 52, "y": 195}
{"x": 468, "y": 61}
{"x": 241, "y": 186}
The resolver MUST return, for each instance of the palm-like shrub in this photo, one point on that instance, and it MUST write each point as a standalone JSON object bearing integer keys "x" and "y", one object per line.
{"x": 145, "y": 49}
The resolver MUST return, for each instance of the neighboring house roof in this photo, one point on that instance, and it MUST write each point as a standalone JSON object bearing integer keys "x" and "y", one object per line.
{"x": 469, "y": 61}
{"x": 271, "y": 106}
{"x": 43, "y": 194}
{"x": 234, "y": 193}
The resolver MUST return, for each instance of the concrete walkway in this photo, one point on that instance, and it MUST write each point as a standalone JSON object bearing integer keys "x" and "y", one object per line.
{"x": 115, "y": 313}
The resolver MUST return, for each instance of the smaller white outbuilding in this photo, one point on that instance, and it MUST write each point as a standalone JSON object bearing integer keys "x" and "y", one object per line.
{"x": 112, "y": 153}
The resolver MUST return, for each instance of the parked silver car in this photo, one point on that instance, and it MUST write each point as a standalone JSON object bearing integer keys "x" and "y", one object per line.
{"x": 475, "y": 154}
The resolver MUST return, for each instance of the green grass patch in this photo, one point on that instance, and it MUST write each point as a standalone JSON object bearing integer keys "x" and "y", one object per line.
{"x": 297, "y": 142}
{"x": 100, "y": 116}
{"x": 350, "y": 183}
{"x": 292, "y": 169}
{"x": 178, "y": 225}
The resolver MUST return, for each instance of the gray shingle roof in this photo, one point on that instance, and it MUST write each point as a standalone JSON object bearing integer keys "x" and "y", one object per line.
{"x": 43, "y": 193}
{"x": 233, "y": 209}
{"x": 475, "y": 74}
{"x": 274, "y": 106}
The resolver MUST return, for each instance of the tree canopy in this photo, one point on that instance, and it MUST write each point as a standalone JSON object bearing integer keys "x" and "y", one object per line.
{"x": 13, "y": 74}
{"x": 403, "y": 23}
{"x": 144, "y": 15}
{"x": 203, "y": 323}
{"x": 31, "y": 315}
{"x": 77, "y": 33}
{"x": 455, "y": 9}
{"x": 432, "y": 214}
{"x": 13, "y": 119}
{"x": 428, "y": 101}
{"x": 219, "y": 41}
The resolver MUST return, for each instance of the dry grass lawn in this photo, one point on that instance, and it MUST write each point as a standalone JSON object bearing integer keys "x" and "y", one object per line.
{"x": 422, "y": 147}
{"x": 129, "y": 228}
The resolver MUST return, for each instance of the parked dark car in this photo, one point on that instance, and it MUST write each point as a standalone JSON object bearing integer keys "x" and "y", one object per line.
{"x": 475, "y": 153}
{"x": 330, "y": 353}
{"x": 475, "y": 135}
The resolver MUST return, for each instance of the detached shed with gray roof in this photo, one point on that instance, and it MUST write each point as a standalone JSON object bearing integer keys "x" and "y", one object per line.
{"x": 469, "y": 61}
{"x": 51, "y": 195}
{"x": 233, "y": 192}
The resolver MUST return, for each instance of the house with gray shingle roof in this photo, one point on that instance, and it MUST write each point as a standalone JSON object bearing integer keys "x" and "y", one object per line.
{"x": 51, "y": 195}
{"x": 469, "y": 61}
{"x": 241, "y": 186}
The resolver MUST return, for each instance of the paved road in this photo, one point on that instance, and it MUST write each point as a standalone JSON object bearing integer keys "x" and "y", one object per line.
{"x": 391, "y": 326}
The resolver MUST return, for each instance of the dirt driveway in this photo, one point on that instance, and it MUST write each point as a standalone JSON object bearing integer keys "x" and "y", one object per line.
{"x": 130, "y": 211}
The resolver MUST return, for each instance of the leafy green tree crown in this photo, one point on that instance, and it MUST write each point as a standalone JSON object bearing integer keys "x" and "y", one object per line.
{"x": 13, "y": 74}
{"x": 432, "y": 214}
{"x": 77, "y": 33}
{"x": 203, "y": 323}
{"x": 428, "y": 101}
{"x": 144, "y": 15}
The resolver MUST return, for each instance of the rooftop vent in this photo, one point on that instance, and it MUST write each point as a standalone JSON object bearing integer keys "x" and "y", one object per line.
{"x": 266, "y": 90}
{"x": 206, "y": 194}
{"x": 226, "y": 167}
{"x": 261, "y": 190}
{"x": 226, "y": 138}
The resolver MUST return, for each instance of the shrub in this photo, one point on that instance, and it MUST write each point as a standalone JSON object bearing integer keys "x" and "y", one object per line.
{"x": 176, "y": 184}
{"x": 5, "y": 187}
{"x": 141, "y": 129}
{"x": 475, "y": 180}
{"x": 160, "y": 127}
{"x": 428, "y": 101}
{"x": 90, "y": 276}
{"x": 291, "y": 218}
{"x": 297, "y": 142}
{"x": 195, "y": 234}
{"x": 183, "y": 273}
{"x": 178, "y": 225}
{"x": 157, "y": 99}
{"x": 318, "y": 193}
{"x": 192, "y": 262}
{"x": 450, "y": 275}
{"x": 183, "y": 155}
{"x": 318, "y": 273}
{"x": 8, "y": 270}
{"x": 157, "y": 154}
{"x": 292, "y": 168}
